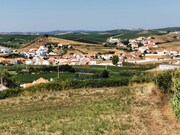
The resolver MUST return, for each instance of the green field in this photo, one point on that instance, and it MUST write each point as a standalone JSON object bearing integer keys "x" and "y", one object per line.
{"x": 16, "y": 41}
{"x": 85, "y": 72}
{"x": 89, "y": 38}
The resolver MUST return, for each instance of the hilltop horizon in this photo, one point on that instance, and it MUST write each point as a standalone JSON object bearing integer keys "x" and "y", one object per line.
{"x": 173, "y": 28}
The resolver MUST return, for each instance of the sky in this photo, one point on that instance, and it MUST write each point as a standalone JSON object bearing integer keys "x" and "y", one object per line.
{"x": 49, "y": 15}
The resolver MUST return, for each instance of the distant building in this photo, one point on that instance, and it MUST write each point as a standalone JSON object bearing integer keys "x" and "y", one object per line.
{"x": 113, "y": 40}
{"x": 168, "y": 66}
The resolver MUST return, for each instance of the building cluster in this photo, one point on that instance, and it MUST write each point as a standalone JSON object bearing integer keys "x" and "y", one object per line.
{"x": 142, "y": 44}
{"x": 5, "y": 51}
{"x": 142, "y": 50}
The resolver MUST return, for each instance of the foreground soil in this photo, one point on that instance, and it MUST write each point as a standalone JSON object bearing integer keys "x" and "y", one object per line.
{"x": 133, "y": 110}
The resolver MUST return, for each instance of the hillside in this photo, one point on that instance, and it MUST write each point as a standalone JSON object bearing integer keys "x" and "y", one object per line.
{"x": 94, "y": 38}
{"x": 121, "y": 110}
{"x": 78, "y": 47}
{"x": 170, "y": 41}
{"x": 42, "y": 41}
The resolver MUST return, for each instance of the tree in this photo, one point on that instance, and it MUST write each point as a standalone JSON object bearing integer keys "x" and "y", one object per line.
{"x": 105, "y": 74}
{"x": 46, "y": 35}
{"x": 6, "y": 78}
{"x": 115, "y": 60}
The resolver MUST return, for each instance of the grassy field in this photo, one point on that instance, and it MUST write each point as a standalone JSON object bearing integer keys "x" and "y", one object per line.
{"x": 131, "y": 110}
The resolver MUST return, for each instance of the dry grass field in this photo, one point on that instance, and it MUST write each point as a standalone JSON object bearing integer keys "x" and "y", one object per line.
{"x": 78, "y": 47}
{"x": 133, "y": 110}
{"x": 169, "y": 41}
{"x": 170, "y": 46}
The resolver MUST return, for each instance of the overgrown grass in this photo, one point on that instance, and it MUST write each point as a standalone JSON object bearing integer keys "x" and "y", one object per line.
{"x": 73, "y": 112}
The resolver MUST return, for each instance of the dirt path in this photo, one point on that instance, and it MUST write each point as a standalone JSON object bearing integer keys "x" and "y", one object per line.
{"x": 152, "y": 113}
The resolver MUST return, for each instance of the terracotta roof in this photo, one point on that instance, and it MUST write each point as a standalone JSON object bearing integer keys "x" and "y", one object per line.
{"x": 138, "y": 53}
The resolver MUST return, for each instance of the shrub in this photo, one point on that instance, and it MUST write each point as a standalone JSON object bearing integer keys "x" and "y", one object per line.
{"x": 64, "y": 85}
{"x": 143, "y": 77}
{"x": 164, "y": 81}
{"x": 175, "y": 100}
{"x": 115, "y": 60}
{"x": 105, "y": 74}
{"x": 176, "y": 80}
{"x": 10, "y": 93}
{"x": 175, "y": 103}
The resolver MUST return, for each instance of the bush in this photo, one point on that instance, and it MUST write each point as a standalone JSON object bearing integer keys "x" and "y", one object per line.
{"x": 175, "y": 100}
{"x": 143, "y": 78}
{"x": 10, "y": 93}
{"x": 176, "y": 80}
{"x": 175, "y": 103}
{"x": 115, "y": 60}
{"x": 164, "y": 81}
{"x": 64, "y": 85}
{"x": 105, "y": 74}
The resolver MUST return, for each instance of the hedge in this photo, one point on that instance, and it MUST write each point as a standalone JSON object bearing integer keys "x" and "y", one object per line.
{"x": 175, "y": 103}
{"x": 144, "y": 77}
{"x": 164, "y": 81}
{"x": 10, "y": 93}
{"x": 175, "y": 100}
{"x": 64, "y": 85}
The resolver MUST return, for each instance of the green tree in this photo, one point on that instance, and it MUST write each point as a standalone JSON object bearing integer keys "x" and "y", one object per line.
{"x": 115, "y": 60}
{"x": 46, "y": 35}
{"x": 105, "y": 74}
{"x": 6, "y": 78}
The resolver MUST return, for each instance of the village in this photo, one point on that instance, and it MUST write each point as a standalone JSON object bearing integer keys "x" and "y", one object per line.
{"x": 141, "y": 50}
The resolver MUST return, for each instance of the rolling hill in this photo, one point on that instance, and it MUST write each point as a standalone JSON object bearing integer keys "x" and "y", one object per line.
{"x": 78, "y": 47}
{"x": 20, "y": 40}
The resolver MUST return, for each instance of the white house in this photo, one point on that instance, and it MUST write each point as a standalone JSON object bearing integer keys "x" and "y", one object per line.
{"x": 4, "y": 50}
{"x": 46, "y": 62}
{"x": 164, "y": 52}
{"x": 41, "y": 52}
{"x": 168, "y": 66}
{"x": 92, "y": 62}
{"x": 113, "y": 40}
{"x": 107, "y": 57}
{"x": 143, "y": 49}
{"x": 28, "y": 62}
